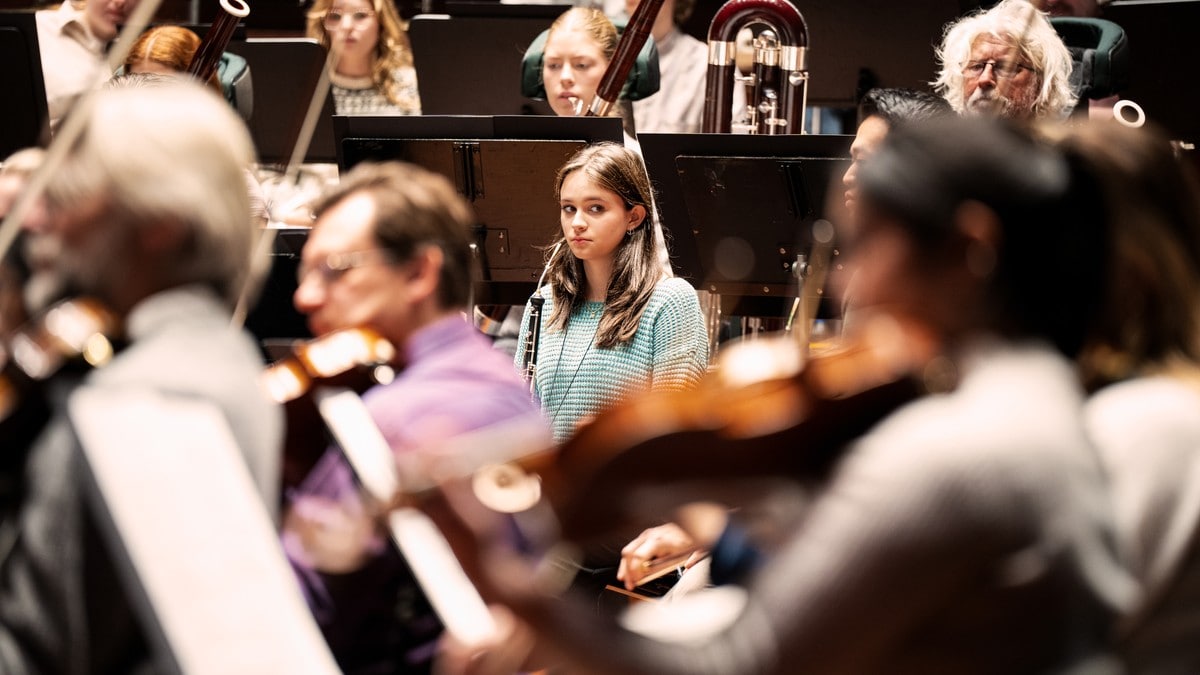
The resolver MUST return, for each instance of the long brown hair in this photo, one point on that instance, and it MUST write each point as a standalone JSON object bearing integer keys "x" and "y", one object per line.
{"x": 636, "y": 269}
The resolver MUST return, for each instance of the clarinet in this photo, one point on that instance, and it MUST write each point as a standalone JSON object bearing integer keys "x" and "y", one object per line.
{"x": 534, "y": 336}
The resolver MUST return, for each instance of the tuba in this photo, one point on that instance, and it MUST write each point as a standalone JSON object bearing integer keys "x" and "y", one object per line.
{"x": 777, "y": 87}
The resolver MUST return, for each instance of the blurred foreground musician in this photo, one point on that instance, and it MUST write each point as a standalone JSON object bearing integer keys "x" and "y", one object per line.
{"x": 1143, "y": 362}
{"x": 390, "y": 251}
{"x": 969, "y": 531}
{"x": 150, "y": 216}
{"x": 880, "y": 111}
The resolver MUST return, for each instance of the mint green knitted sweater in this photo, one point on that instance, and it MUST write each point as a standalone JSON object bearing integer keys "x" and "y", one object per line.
{"x": 576, "y": 379}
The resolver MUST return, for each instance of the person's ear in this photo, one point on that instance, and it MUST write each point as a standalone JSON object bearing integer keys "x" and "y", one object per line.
{"x": 979, "y": 226}
{"x": 636, "y": 216}
{"x": 424, "y": 272}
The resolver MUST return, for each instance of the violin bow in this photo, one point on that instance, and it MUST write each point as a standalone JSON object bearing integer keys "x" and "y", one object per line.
{"x": 266, "y": 241}
{"x": 456, "y": 601}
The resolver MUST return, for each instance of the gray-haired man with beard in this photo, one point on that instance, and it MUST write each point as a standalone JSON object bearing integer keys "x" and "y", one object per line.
{"x": 1008, "y": 62}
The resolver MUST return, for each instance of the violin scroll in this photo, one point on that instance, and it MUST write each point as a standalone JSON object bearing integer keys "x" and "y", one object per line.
{"x": 80, "y": 330}
{"x": 356, "y": 358}
{"x": 329, "y": 359}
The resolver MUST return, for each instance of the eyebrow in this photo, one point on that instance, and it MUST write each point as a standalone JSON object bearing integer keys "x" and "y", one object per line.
{"x": 548, "y": 56}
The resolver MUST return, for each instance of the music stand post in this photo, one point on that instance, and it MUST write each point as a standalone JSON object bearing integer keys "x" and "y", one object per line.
{"x": 503, "y": 165}
{"x": 739, "y": 211}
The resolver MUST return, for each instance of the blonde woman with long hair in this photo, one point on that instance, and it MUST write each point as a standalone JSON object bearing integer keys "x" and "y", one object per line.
{"x": 374, "y": 73}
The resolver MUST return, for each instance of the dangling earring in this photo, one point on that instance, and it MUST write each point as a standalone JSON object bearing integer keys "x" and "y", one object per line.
{"x": 629, "y": 233}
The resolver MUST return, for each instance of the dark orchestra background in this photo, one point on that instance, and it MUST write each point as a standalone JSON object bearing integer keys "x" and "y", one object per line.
{"x": 856, "y": 44}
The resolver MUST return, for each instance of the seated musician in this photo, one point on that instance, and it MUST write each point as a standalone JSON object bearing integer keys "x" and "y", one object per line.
{"x": 1007, "y": 61}
{"x": 149, "y": 215}
{"x": 1143, "y": 362}
{"x": 968, "y": 530}
{"x": 880, "y": 111}
{"x": 389, "y": 250}
{"x": 374, "y": 73}
{"x": 72, "y": 42}
{"x": 613, "y": 324}
{"x": 578, "y": 51}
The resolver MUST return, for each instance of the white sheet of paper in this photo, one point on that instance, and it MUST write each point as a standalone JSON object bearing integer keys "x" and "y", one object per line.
{"x": 200, "y": 540}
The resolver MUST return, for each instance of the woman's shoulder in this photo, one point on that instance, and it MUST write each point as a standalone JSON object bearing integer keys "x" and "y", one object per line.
{"x": 404, "y": 74}
{"x": 673, "y": 299}
{"x": 673, "y": 289}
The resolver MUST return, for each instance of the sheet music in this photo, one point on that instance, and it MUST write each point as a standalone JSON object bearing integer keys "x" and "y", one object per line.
{"x": 196, "y": 537}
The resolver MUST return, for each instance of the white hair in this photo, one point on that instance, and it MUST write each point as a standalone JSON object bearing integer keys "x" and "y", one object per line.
{"x": 172, "y": 152}
{"x": 1021, "y": 25}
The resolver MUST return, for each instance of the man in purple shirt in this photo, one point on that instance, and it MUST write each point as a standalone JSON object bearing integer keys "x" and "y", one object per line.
{"x": 390, "y": 251}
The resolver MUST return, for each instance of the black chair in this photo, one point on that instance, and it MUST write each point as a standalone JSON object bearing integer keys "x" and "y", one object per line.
{"x": 1100, "y": 53}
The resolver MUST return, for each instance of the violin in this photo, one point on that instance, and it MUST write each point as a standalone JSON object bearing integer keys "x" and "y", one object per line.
{"x": 356, "y": 358}
{"x": 70, "y": 337}
{"x": 75, "y": 331}
{"x": 794, "y": 425}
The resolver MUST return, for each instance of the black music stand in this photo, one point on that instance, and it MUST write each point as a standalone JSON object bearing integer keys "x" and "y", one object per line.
{"x": 285, "y": 72}
{"x": 503, "y": 165}
{"x": 490, "y": 84}
{"x": 274, "y": 317}
{"x": 26, "y": 115}
{"x": 738, "y": 210}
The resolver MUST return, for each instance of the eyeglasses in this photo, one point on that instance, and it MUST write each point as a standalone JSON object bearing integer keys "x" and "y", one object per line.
{"x": 333, "y": 18}
{"x": 337, "y": 264}
{"x": 1001, "y": 69}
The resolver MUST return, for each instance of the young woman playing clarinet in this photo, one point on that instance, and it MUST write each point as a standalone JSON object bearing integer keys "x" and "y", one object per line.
{"x": 613, "y": 323}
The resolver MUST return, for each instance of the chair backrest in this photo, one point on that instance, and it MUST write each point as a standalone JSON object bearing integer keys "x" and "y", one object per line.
{"x": 237, "y": 83}
{"x": 1100, "y": 53}
{"x": 642, "y": 82}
